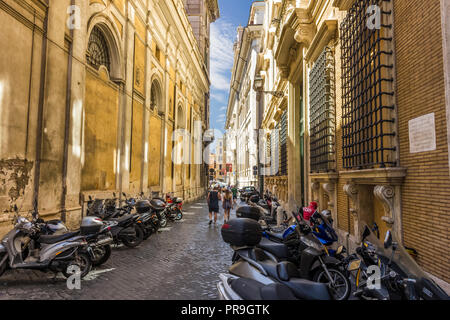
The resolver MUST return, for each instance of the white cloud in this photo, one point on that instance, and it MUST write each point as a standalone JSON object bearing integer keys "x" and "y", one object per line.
{"x": 223, "y": 35}
{"x": 224, "y": 108}
{"x": 219, "y": 97}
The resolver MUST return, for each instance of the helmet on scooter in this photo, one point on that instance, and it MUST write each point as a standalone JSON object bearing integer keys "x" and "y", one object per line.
{"x": 327, "y": 214}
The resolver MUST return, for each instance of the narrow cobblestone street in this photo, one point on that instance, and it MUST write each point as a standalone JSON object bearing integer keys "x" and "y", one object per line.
{"x": 181, "y": 262}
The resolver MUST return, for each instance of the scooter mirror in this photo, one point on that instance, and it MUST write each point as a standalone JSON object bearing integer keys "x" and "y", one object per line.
{"x": 366, "y": 233}
{"x": 388, "y": 240}
{"x": 340, "y": 250}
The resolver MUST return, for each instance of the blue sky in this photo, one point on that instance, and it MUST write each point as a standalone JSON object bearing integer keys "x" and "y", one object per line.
{"x": 223, "y": 35}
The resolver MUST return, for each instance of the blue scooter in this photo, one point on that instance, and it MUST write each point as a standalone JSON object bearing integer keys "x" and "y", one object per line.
{"x": 322, "y": 229}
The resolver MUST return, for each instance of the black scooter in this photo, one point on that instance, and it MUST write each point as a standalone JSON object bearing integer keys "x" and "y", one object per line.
{"x": 304, "y": 250}
{"x": 125, "y": 229}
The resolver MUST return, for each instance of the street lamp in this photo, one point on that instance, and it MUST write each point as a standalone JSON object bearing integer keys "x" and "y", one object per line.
{"x": 258, "y": 84}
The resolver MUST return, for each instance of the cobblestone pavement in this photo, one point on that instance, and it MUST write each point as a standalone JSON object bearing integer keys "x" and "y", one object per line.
{"x": 181, "y": 262}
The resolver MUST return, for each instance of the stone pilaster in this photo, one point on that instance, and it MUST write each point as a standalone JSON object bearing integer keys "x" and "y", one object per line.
{"x": 352, "y": 192}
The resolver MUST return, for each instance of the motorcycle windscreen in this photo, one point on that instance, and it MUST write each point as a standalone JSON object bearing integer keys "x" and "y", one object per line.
{"x": 405, "y": 265}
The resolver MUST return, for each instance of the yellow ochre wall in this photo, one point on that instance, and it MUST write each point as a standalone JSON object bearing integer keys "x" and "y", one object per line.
{"x": 101, "y": 113}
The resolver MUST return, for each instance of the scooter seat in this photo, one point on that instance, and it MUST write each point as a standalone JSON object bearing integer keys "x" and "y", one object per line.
{"x": 249, "y": 289}
{"x": 50, "y": 239}
{"x": 287, "y": 274}
{"x": 158, "y": 208}
{"x": 308, "y": 290}
{"x": 277, "y": 235}
{"x": 279, "y": 250}
{"x": 123, "y": 219}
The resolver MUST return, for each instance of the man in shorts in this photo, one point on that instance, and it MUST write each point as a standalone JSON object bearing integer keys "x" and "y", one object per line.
{"x": 213, "y": 203}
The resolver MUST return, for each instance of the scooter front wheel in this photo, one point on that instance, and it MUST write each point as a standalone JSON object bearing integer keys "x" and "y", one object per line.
{"x": 179, "y": 215}
{"x": 163, "y": 222}
{"x": 82, "y": 262}
{"x": 102, "y": 255}
{"x": 341, "y": 288}
{"x": 132, "y": 243}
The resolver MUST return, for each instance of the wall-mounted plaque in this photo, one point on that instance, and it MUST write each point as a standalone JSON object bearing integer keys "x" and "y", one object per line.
{"x": 422, "y": 134}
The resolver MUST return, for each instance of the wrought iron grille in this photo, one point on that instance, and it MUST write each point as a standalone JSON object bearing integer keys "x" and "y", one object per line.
{"x": 98, "y": 52}
{"x": 275, "y": 154}
{"x": 367, "y": 87}
{"x": 322, "y": 113}
{"x": 283, "y": 144}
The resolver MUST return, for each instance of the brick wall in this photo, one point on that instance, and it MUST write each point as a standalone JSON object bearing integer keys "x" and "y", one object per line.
{"x": 420, "y": 90}
{"x": 345, "y": 221}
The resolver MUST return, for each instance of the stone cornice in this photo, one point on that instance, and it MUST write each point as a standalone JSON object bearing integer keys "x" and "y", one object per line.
{"x": 326, "y": 176}
{"x": 326, "y": 33}
{"x": 389, "y": 176}
{"x": 343, "y": 5}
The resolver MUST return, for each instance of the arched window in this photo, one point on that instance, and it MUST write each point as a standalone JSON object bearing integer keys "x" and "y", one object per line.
{"x": 181, "y": 119}
{"x": 98, "y": 52}
{"x": 155, "y": 97}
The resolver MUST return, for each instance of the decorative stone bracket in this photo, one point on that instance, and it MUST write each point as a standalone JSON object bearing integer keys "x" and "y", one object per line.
{"x": 386, "y": 195}
{"x": 352, "y": 192}
{"x": 305, "y": 34}
{"x": 330, "y": 189}
{"x": 315, "y": 187}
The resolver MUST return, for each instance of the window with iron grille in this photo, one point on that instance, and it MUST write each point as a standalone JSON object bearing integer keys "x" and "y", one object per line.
{"x": 322, "y": 113}
{"x": 367, "y": 87}
{"x": 283, "y": 144}
{"x": 98, "y": 52}
{"x": 274, "y": 154}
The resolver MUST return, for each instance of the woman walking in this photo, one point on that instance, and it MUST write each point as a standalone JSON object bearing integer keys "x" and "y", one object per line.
{"x": 227, "y": 204}
{"x": 213, "y": 203}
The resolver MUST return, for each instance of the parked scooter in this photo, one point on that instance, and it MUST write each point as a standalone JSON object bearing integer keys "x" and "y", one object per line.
{"x": 322, "y": 228}
{"x": 400, "y": 279}
{"x": 173, "y": 206}
{"x": 99, "y": 241}
{"x": 310, "y": 256}
{"x": 148, "y": 217}
{"x": 260, "y": 272}
{"x": 125, "y": 229}
{"x": 25, "y": 248}
{"x": 232, "y": 287}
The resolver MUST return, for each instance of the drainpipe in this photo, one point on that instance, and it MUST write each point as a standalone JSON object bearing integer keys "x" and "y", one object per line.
{"x": 40, "y": 120}
{"x": 67, "y": 125}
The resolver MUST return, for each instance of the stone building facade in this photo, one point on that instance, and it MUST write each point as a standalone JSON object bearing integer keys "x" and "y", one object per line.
{"x": 90, "y": 95}
{"x": 243, "y": 116}
{"x": 359, "y": 92}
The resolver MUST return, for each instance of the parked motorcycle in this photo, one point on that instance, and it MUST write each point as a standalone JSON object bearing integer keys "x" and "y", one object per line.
{"x": 232, "y": 287}
{"x": 125, "y": 229}
{"x": 148, "y": 217}
{"x": 25, "y": 248}
{"x": 254, "y": 272}
{"x": 322, "y": 228}
{"x": 99, "y": 242}
{"x": 400, "y": 277}
{"x": 311, "y": 258}
{"x": 173, "y": 205}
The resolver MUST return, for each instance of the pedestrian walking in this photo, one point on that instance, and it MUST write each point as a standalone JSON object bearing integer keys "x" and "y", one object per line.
{"x": 234, "y": 191}
{"x": 213, "y": 203}
{"x": 227, "y": 204}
